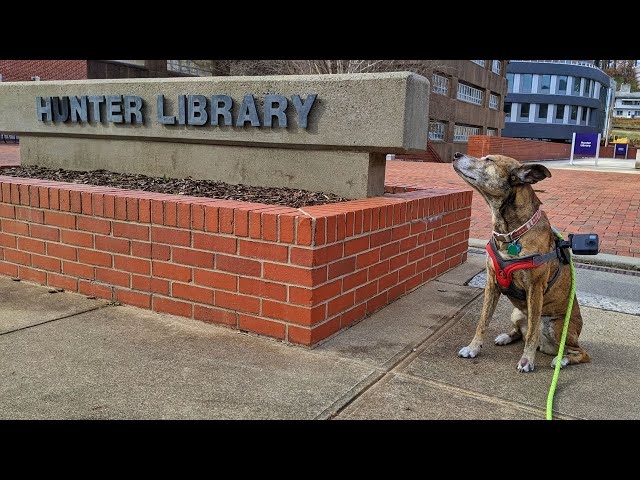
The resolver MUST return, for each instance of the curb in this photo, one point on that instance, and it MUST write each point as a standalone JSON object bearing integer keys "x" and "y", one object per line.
{"x": 601, "y": 259}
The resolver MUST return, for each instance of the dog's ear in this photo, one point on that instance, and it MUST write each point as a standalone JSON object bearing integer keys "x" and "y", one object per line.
{"x": 529, "y": 173}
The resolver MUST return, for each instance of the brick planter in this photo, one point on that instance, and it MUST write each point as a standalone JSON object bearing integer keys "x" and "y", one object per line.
{"x": 298, "y": 275}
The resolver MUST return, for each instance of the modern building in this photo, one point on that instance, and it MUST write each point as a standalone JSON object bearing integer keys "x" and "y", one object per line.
{"x": 552, "y": 99}
{"x": 627, "y": 103}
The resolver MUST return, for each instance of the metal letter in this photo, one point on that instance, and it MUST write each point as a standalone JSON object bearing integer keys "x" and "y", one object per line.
{"x": 248, "y": 112}
{"x": 114, "y": 108}
{"x": 278, "y": 112}
{"x": 221, "y": 105}
{"x": 95, "y": 101}
{"x": 60, "y": 109}
{"x": 44, "y": 110}
{"x": 181, "y": 110}
{"x": 197, "y": 105}
{"x": 78, "y": 108}
{"x": 303, "y": 109}
{"x": 162, "y": 118}
{"x": 132, "y": 109}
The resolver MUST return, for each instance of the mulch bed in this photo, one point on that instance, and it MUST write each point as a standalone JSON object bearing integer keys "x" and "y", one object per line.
{"x": 289, "y": 197}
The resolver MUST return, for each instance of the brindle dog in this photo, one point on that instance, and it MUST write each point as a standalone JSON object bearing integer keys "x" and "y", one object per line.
{"x": 505, "y": 184}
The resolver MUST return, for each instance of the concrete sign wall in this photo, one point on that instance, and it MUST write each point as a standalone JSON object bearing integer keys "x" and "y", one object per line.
{"x": 317, "y": 132}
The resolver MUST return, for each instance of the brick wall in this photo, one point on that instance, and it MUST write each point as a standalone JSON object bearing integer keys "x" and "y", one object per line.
{"x": 528, "y": 150}
{"x": 23, "y": 70}
{"x": 298, "y": 275}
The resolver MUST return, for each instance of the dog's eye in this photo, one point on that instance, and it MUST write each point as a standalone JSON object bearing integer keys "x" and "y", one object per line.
{"x": 489, "y": 159}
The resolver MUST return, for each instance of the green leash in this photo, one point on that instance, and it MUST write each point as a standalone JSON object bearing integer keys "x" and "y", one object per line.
{"x": 565, "y": 328}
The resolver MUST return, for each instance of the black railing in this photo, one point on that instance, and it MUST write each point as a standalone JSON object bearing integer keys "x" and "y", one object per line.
{"x": 6, "y": 138}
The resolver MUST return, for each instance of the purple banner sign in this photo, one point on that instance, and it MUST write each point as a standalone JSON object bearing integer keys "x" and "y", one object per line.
{"x": 586, "y": 144}
{"x": 621, "y": 149}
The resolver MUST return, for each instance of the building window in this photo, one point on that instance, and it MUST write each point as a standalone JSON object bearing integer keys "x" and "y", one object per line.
{"x": 482, "y": 63}
{"x": 461, "y": 133}
{"x": 137, "y": 63}
{"x": 544, "y": 85}
{"x": 493, "y": 101}
{"x": 576, "y": 85}
{"x": 189, "y": 67}
{"x": 496, "y": 66}
{"x": 562, "y": 84}
{"x": 543, "y": 110}
{"x": 524, "y": 112}
{"x": 440, "y": 84}
{"x": 525, "y": 82}
{"x": 584, "y": 114}
{"x": 507, "y": 111}
{"x": 592, "y": 86}
{"x": 436, "y": 131}
{"x": 469, "y": 94}
{"x": 559, "y": 114}
{"x": 618, "y": 112}
{"x": 573, "y": 116}
{"x": 509, "y": 82}
{"x": 492, "y": 132}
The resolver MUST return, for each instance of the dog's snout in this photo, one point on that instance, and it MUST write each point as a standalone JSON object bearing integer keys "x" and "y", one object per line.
{"x": 458, "y": 155}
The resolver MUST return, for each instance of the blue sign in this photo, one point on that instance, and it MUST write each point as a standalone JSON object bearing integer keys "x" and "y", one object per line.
{"x": 621, "y": 149}
{"x": 586, "y": 144}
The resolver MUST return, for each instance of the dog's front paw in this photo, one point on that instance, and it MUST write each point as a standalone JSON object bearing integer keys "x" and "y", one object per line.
{"x": 503, "y": 339}
{"x": 469, "y": 352}
{"x": 564, "y": 363}
{"x": 524, "y": 365}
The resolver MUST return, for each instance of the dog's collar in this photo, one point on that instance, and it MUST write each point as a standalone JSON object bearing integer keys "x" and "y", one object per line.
{"x": 518, "y": 232}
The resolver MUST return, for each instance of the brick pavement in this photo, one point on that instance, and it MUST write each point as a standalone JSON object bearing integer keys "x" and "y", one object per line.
{"x": 575, "y": 201}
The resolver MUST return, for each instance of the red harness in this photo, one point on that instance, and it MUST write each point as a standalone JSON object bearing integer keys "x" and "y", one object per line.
{"x": 505, "y": 268}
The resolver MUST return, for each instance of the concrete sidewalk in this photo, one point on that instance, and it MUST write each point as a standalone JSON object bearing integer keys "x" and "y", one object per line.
{"x": 65, "y": 356}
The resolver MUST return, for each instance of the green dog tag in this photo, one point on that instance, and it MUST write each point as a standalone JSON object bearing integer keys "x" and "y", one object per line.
{"x": 513, "y": 249}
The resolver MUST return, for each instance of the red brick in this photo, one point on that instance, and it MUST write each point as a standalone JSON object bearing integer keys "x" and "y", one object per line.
{"x": 173, "y": 307}
{"x": 353, "y": 315}
{"x": 62, "y": 251}
{"x": 31, "y": 245}
{"x": 93, "y": 257}
{"x": 187, "y": 256}
{"x": 29, "y": 215}
{"x": 62, "y": 281}
{"x": 287, "y": 229}
{"x": 211, "y": 216}
{"x": 366, "y": 292}
{"x": 217, "y": 280}
{"x": 8, "y": 269}
{"x": 416, "y": 254}
{"x": 143, "y": 249}
{"x": 170, "y": 270}
{"x": 184, "y": 215}
{"x": 342, "y": 267}
{"x": 293, "y": 313}
{"x": 190, "y": 292}
{"x": 408, "y": 243}
{"x": 133, "y": 265}
{"x": 315, "y": 296}
{"x": 171, "y": 236}
{"x": 170, "y": 213}
{"x": 7, "y": 240}
{"x": 396, "y": 291}
{"x": 242, "y": 303}
{"x": 17, "y": 228}
{"x": 331, "y": 229}
{"x": 308, "y": 337}
{"x": 215, "y": 315}
{"x": 197, "y": 218}
{"x": 97, "y": 204}
{"x": 17, "y": 256}
{"x": 262, "y": 250}
{"x": 417, "y": 227}
{"x": 238, "y": 265}
{"x": 378, "y": 270}
{"x": 113, "y": 277}
{"x": 377, "y": 303}
{"x": 93, "y": 289}
{"x": 259, "y": 325}
{"x": 406, "y": 272}
{"x": 15, "y": 194}
{"x": 356, "y": 245}
{"x": 303, "y": 231}
{"x": 365, "y": 259}
{"x": 160, "y": 286}
{"x": 366, "y": 216}
{"x": 7, "y": 211}
{"x": 440, "y": 232}
{"x": 110, "y": 244}
{"x": 79, "y": 270}
{"x": 388, "y": 281}
{"x": 226, "y": 219}
{"x": 92, "y": 224}
{"x": 75, "y": 201}
{"x": 215, "y": 243}
{"x": 141, "y": 282}
{"x": 340, "y": 226}
{"x": 358, "y": 220}
{"x": 350, "y": 224}
{"x": 24, "y": 194}
{"x": 413, "y": 282}
{"x": 295, "y": 275}
{"x": 241, "y": 221}
{"x": 34, "y": 196}
{"x": 270, "y": 227}
{"x": 65, "y": 200}
{"x": 58, "y": 219}
{"x": 32, "y": 275}
{"x": 340, "y": 304}
{"x": 354, "y": 280}
{"x": 320, "y": 233}
{"x": 137, "y": 299}
{"x": 380, "y": 238}
{"x": 144, "y": 210}
{"x": 6, "y": 192}
{"x": 400, "y": 232}
{"x": 157, "y": 211}
{"x": 72, "y": 237}
{"x": 259, "y": 288}
{"x": 160, "y": 252}
{"x": 255, "y": 225}
{"x": 85, "y": 200}
{"x": 120, "y": 208}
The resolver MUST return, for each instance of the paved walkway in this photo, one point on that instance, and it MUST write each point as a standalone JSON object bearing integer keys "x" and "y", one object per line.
{"x": 576, "y": 201}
